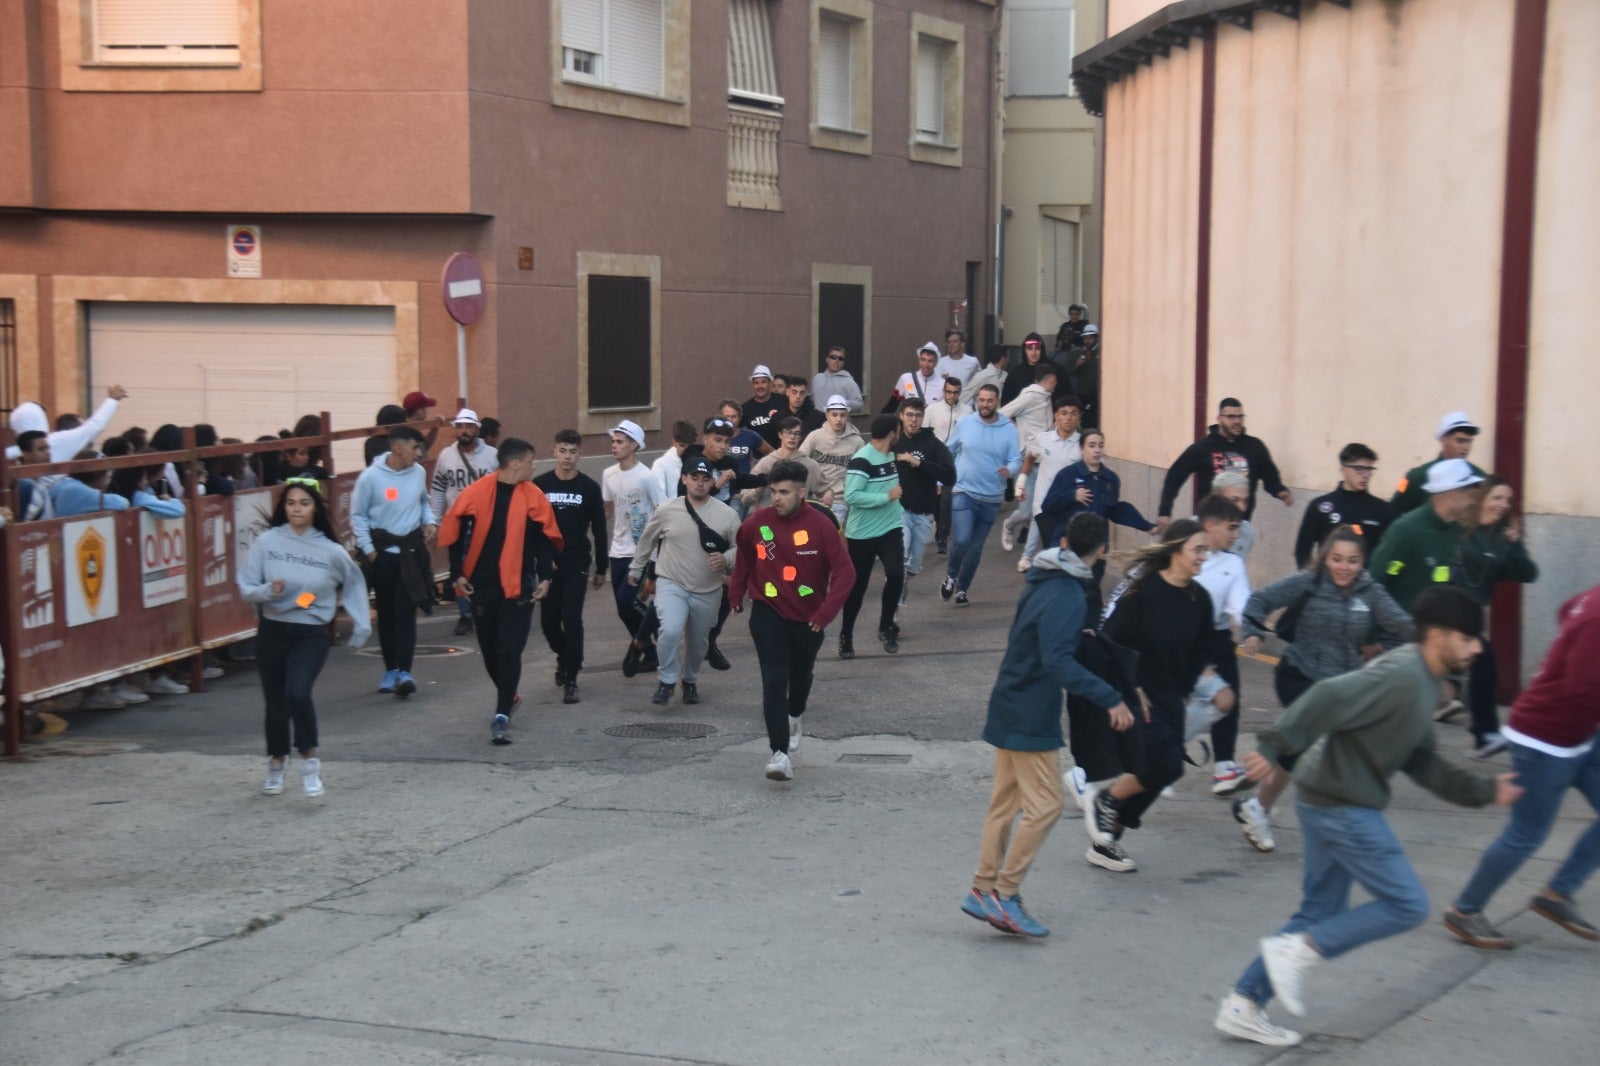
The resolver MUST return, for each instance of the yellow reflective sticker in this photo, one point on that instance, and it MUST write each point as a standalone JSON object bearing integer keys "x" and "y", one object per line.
{"x": 1441, "y": 574}
{"x": 771, "y": 589}
{"x": 1395, "y": 567}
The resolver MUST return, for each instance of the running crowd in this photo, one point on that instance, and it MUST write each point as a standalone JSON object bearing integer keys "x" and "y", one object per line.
{"x": 781, "y": 510}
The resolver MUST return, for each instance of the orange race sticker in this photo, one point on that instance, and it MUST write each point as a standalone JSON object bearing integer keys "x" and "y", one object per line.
{"x": 305, "y": 599}
{"x": 801, "y": 537}
{"x": 790, "y": 573}
{"x": 391, "y": 494}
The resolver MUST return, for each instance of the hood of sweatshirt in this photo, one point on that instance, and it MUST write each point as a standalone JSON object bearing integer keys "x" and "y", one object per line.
{"x": 849, "y": 431}
{"x": 1051, "y": 562}
{"x": 29, "y": 418}
{"x": 1214, "y": 436}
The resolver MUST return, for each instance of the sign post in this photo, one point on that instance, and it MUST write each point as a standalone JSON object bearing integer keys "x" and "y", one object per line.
{"x": 464, "y": 300}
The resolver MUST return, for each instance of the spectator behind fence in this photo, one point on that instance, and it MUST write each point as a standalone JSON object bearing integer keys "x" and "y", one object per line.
{"x": 133, "y": 484}
{"x": 390, "y": 414}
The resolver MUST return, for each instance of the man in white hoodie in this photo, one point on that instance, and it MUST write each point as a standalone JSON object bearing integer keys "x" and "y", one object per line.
{"x": 460, "y": 465}
{"x": 1030, "y": 411}
{"x": 65, "y": 443}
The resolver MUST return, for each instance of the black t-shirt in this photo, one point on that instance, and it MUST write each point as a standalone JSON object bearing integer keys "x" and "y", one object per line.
{"x": 763, "y": 416}
{"x": 1173, "y": 631}
{"x": 581, "y": 514}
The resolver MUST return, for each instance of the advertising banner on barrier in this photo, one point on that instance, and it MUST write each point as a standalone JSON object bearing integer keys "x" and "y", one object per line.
{"x": 223, "y": 611}
{"x": 252, "y": 514}
{"x": 91, "y": 564}
{"x": 163, "y": 559}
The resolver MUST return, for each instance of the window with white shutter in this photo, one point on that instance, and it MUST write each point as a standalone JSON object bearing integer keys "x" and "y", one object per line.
{"x": 1058, "y": 267}
{"x": 833, "y": 73}
{"x": 166, "y": 31}
{"x": 930, "y": 89}
{"x": 615, "y": 43}
{"x": 1039, "y": 51}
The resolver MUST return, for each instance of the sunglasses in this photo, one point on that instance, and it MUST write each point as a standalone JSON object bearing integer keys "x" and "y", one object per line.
{"x": 310, "y": 484}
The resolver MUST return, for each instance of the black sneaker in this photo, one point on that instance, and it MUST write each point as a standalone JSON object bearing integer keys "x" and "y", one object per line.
{"x": 961, "y": 599}
{"x": 947, "y": 588}
{"x": 663, "y": 694}
{"x": 715, "y": 657}
{"x": 691, "y": 692}
{"x": 648, "y": 663}
{"x": 847, "y": 648}
{"x": 894, "y": 626}
{"x": 570, "y": 693}
{"x": 630, "y": 659}
{"x": 1101, "y": 818}
{"x": 891, "y": 646}
{"x": 561, "y": 676}
{"x": 943, "y": 546}
{"x": 464, "y": 626}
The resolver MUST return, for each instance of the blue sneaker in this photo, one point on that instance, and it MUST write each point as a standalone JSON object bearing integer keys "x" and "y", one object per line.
{"x": 981, "y": 905}
{"x": 389, "y": 678}
{"x": 1018, "y": 920}
{"x": 404, "y": 683}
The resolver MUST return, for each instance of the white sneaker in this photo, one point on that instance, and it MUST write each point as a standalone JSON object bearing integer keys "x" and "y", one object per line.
{"x": 1287, "y": 957}
{"x": 795, "y": 729}
{"x": 779, "y": 768}
{"x": 102, "y": 698}
{"x": 1253, "y": 817}
{"x": 275, "y": 772}
{"x": 1239, "y": 1017}
{"x": 211, "y": 673}
{"x": 1024, "y": 564}
{"x": 129, "y": 694}
{"x": 311, "y": 776}
{"x": 1008, "y": 538}
{"x": 162, "y": 685}
{"x": 1077, "y": 785}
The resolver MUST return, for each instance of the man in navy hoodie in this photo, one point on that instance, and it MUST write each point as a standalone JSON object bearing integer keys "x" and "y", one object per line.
{"x": 1024, "y": 723}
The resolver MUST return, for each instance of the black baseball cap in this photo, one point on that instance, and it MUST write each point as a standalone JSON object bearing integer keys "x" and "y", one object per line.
{"x": 699, "y": 464}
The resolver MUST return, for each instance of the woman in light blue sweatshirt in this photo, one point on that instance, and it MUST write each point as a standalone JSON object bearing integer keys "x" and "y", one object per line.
{"x": 299, "y": 573}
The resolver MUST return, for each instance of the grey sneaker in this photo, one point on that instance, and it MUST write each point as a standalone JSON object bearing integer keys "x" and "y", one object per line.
{"x": 1564, "y": 914}
{"x": 500, "y": 729}
{"x": 1476, "y": 930}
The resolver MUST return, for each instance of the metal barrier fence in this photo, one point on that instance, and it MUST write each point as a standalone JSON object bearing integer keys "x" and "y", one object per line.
{"x": 97, "y": 596}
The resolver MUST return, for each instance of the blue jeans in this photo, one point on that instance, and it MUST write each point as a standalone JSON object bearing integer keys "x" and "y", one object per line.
{"x": 1344, "y": 845}
{"x": 1544, "y": 780}
{"x": 970, "y": 522}
{"x": 917, "y": 529}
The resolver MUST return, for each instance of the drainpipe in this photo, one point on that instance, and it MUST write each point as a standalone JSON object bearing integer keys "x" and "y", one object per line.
{"x": 1202, "y": 269}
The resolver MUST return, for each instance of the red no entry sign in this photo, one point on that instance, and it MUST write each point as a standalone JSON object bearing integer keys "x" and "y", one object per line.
{"x": 463, "y": 288}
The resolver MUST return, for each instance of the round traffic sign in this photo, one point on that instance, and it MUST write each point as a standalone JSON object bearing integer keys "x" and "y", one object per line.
{"x": 463, "y": 288}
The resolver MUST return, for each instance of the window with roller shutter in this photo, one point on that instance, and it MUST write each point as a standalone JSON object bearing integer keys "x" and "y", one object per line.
{"x": 1040, "y": 44}
{"x": 841, "y": 75}
{"x": 614, "y": 43}
{"x": 833, "y": 73}
{"x": 930, "y": 89}
{"x": 936, "y": 80}
{"x": 167, "y": 32}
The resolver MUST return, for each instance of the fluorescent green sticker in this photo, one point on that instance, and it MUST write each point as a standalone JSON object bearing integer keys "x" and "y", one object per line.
{"x": 806, "y": 590}
{"x": 766, "y": 532}
{"x": 772, "y": 590}
{"x": 1395, "y": 567}
{"x": 1441, "y": 574}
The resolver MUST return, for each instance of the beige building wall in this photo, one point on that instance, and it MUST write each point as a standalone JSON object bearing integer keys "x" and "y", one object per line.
{"x": 1120, "y": 14}
{"x": 1355, "y": 244}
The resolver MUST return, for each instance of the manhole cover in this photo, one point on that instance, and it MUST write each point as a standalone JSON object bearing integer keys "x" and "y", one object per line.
{"x": 427, "y": 651}
{"x": 877, "y": 760}
{"x": 663, "y": 730}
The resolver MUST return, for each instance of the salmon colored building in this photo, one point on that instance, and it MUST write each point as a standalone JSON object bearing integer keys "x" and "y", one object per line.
{"x": 1356, "y": 216}
{"x": 240, "y": 209}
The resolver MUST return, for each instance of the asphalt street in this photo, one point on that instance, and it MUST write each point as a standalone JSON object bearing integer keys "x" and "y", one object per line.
{"x": 584, "y": 897}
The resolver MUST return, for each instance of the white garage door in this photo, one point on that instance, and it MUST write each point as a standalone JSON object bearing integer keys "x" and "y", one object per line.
{"x": 247, "y": 369}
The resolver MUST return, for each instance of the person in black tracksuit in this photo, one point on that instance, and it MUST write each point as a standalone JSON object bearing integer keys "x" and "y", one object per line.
{"x": 1226, "y": 447}
{"x": 924, "y": 464}
{"x": 1348, "y": 505}
{"x": 581, "y": 514}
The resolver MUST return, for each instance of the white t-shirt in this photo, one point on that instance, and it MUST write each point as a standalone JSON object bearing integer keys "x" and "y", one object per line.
{"x": 961, "y": 366}
{"x": 912, "y": 383}
{"x": 668, "y": 469}
{"x": 1224, "y": 576}
{"x": 1051, "y": 455}
{"x": 634, "y": 494}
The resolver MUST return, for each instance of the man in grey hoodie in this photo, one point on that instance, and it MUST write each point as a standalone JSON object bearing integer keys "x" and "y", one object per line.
{"x": 832, "y": 446}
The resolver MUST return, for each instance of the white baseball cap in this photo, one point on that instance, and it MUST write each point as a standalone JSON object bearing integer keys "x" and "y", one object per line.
{"x": 1456, "y": 420}
{"x": 761, "y": 371}
{"x": 629, "y": 429}
{"x": 1091, "y": 328}
{"x": 1448, "y": 474}
{"x": 837, "y": 403}
{"x": 466, "y": 417}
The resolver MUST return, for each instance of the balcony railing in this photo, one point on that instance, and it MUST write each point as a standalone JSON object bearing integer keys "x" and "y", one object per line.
{"x": 753, "y": 158}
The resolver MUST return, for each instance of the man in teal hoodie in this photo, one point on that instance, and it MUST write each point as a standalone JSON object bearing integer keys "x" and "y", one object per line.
{"x": 872, "y": 531}
{"x": 1024, "y": 723}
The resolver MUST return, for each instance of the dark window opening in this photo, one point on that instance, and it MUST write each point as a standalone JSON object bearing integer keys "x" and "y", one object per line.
{"x": 8, "y": 355}
{"x": 619, "y": 342}
{"x": 841, "y": 320}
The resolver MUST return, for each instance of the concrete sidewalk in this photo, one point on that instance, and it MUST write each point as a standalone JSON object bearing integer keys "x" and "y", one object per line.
{"x": 580, "y": 898}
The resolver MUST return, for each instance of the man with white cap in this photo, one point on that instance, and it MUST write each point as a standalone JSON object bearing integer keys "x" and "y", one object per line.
{"x": 832, "y": 447}
{"x": 1456, "y": 434}
{"x": 763, "y": 408}
{"x": 459, "y": 466}
{"x": 923, "y": 382}
{"x": 631, "y": 494}
{"x": 1423, "y": 548}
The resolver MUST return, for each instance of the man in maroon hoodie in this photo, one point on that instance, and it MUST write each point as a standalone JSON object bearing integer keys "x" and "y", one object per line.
{"x": 1553, "y": 748}
{"x": 793, "y": 563}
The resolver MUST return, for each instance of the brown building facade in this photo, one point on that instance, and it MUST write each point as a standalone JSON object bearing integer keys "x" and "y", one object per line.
{"x": 240, "y": 209}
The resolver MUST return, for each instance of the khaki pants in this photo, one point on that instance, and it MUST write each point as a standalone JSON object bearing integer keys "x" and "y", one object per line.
{"x": 1029, "y": 781}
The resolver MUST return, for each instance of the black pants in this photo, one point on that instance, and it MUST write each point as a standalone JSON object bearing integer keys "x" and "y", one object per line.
{"x": 891, "y": 549}
{"x": 561, "y": 618}
{"x": 1291, "y": 684}
{"x": 1225, "y": 730}
{"x": 458, "y": 554}
{"x": 1163, "y": 757}
{"x": 397, "y": 615}
{"x": 941, "y": 524}
{"x": 503, "y": 626}
{"x": 1481, "y": 683}
{"x": 787, "y": 652}
{"x": 724, "y": 609}
{"x": 289, "y": 656}
{"x": 1100, "y": 751}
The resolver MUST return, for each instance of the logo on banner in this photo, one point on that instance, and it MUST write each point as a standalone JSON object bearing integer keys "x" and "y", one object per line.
{"x": 91, "y": 570}
{"x": 163, "y": 561}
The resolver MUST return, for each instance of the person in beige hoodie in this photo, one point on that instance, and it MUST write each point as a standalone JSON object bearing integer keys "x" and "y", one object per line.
{"x": 831, "y": 447}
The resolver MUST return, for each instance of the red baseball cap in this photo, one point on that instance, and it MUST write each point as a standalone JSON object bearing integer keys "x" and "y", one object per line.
{"x": 416, "y": 401}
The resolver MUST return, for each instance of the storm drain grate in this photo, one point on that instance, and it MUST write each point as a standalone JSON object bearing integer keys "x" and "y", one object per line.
{"x": 425, "y": 651}
{"x": 877, "y": 760}
{"x": 663, "y": 730}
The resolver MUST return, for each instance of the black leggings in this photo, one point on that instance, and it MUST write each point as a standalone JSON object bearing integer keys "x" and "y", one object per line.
{"x": 1225, "y": 730}
{"x": 787, "y": 651}
{"x": 1481, "y": 683}
{"x": 1291, "y": 684}
{"x": 503, "y": 627}
{"x": 1163, "y": 757}
{"x": 891, "y": 549}
{"x": 561, "y": 618}
{"x": 289, "y": 656}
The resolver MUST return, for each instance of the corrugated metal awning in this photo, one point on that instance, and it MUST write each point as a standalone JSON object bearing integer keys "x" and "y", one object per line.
{"x": 752, "y": 72}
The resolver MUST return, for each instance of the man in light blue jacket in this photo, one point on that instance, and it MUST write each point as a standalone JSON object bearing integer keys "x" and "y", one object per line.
{"x": 987, "y": 454}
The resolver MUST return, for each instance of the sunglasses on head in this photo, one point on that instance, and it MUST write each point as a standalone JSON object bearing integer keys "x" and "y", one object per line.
{"x": 310, "y": 484}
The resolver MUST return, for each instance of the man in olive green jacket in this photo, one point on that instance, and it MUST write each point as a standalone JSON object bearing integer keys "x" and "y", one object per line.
{"x": 1423, "y": 547}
